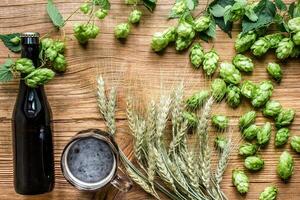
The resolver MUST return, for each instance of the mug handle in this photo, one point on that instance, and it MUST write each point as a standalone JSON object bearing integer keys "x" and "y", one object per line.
{"x": 122, "y": 183}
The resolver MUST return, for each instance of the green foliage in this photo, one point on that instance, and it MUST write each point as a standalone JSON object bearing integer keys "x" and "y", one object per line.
{"x": 11, "y": 41}
{"x": 55, "y": 15}
{"x": 5, "y": 71}
{"x": 150, "y": 4}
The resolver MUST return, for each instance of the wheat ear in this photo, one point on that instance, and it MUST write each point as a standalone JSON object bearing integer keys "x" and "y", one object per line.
{"x": 111, "y": 109}
{"x": 162, "y": 115}
{"x": 139, "y": 139}
{"x": 101, "y": 96}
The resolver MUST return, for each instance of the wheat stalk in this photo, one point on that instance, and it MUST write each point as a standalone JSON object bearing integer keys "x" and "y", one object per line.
{"x": 111, "y": 109}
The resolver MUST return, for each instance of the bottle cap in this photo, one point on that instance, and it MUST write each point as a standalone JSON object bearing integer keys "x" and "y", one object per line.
{"x": 30, "y": 35}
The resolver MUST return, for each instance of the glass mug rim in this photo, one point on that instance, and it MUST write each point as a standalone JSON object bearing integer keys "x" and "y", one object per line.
{"x": 77, "y": 183}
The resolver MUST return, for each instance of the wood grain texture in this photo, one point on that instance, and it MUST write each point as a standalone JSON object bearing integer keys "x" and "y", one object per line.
{"x": 134, "y": 68}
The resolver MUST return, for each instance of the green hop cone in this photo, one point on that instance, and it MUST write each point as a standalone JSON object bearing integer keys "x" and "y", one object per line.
{"x": 184, "y": 29}
{"x": 254, "y": 163}
{"x": 262, "y": 94}
{"x": 59, "y": 46}
{"x": 47, "y": 43}
{"x": 260, "y": 47}
{"x": 285, "y": 166}
{"x": 122, "y": 30}
{"x": 230, "y": 74}
{"x": 275, "y": 71}
{"x": 93, "y": 31}
{"x": 84, "y": 32}
{"x": 101, "y": 13}
{"x": 170, "y": 34}
{"x": 264, "y": 135}
{"x": 269, "y": 193}
{"x": 296, "y": 38}
{"x": 179, "y": 8}
{"x": 51, "y": 53}
{"x": 24, "y": 66}
{"x": 245, "y": 41}
{"x": 296, "y": 52}
{"x": 220, "y": 121}
{"x": 218, "y": 89}
{"x": 197, "y": 100}
{"x": 243, "y": 63}
{"x": 237, "y": 11}
{"x": 135, "y": 16}
{"x": 39, "y": 77}
{"x": 60, "y": 63}
{"x": 15, "y": 40}
{"x": 183, "y": 43}
{"x": 196, "y": 55}
{"x": 272, "y": 108}
{"x": 294, "y": 24}
{"x": 191, "y": 119}
{"x": 233, "y": 96}
{"x": 202, "y": 23}
{"x": 247, "y": 119}
{"x": 285, "y": 48}
{"x": 248, "y": 89}
{"x": 295, "y": 143}
{"x": 159, "y": 42}
{"x": 250, "y": 133}
{"x": 210, "y": 62}
{"x": 220, "y": 142}
{"x": 282, "y": 137}
{"x": 285, "y": 118}
{"x": 85, "y": 8}
{"x": 240, "y": 180}
{"x": 132, "y": 2}
{"x": 274, "y": 39}
{"x": 248, "y": 149}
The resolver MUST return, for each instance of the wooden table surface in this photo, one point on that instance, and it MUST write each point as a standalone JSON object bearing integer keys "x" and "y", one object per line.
{"x": 131, "y": 66}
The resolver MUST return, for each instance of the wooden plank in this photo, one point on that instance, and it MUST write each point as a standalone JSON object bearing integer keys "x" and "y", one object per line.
{"x": 135, "y": 69}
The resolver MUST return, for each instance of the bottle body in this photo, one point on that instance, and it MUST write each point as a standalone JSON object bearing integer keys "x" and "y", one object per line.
{"x": 32, "y": 134}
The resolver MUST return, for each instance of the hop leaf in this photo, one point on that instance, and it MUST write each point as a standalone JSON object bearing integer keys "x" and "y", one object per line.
{"x": 254, "y": 163}
{"x": 210, "y": 62}
{"x": 285, "y": 48}
{"x": 295, "y": 143}
{"x": 55, "y": 15}
{"x": 220, "y": 121}
{"x": 248, "y": 149}
{"x": 197, "y": 99}
{"x": 281, "y": 137}
{"x": 233, "y": 96}
{"x": 285, "y": 118}
{"x": 270, "y": 193}
{"x": 285, "y": 166}
{"x": 275, "y": 71}
{"x": 251, "y": 132}
{"x": 5, "y": 71}
{"x": 244, "y": 41}
{"x": 230, "y": 74}
{"x": 264, "y": 135}
{"x": 10, "y": 41}
{"x": 243, "y": 63}
{"x": 240, "y": 181}
{"x": 218, "y": 89}
{"x": 247, "y": 119}
{"x": 196, "y": 55}
{"x": 272, "y": 108}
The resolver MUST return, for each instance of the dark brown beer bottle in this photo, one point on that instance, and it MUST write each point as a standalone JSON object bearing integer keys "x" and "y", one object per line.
{"x": 32, "y": 131}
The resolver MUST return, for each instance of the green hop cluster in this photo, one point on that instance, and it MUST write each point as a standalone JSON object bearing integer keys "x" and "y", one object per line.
{"x": 296, "y": 52}
{"x": 202, "y": 23}
{"x": 269, "y": 193}
{"x": 122, "y": 30}
{"x": 275, "y": 71}
{"x": 250, "y": 133}
{"x": 101, "y": 13}
{"x": 260, "y": 47}
{"x": 230, "y": 74}
{"x": 272, "y": 108}
{"x": 39, "y": 77}
{"x": 247, "y": 119}
{"x": 282, "y": 137}
{"x": 296, "y": 38}
{"x": 220, "y": 121}
{"x": 15, "y": 40}
{"x": 85, "y": 8}
{"x": 210, "y": 62}
{"x": 247, "y": 89}
{"x": 254, "y": 163}
{"x": 285, "y": 48}
{"x": 179, "y": 8}
{"x": 240, "y": 180}
{"x": 84, "y": 32}
{"x": 135, "y": 16}
{"x": 185, "y": 35}
{"x": 218, "y": 89}
{"x": 295, "y": 143}
{"x": 245, "y": 41}
{"x": 160, "y": 40}
{"x": 53, "y": 51}
{"x": 243, "y": 63}
{"x": 191, "y": 118}
{"x": 24, "y": 66}
{"x": 285, "y": 166}
{"x": 294, "y": 24}
{"x": 237, "y": 11}
{"x": 264, "y": 135}
{"x": 274, "y": 39}
{"x": 233, "y": 96}
{"x": 196, "y": 55}
{"x": 197, "y": 99}
{"x": 285, "y": 118}
{"x": 262, "y": 94}
{"x": 221, "y": 142}
{"x": 248, "y": 149}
